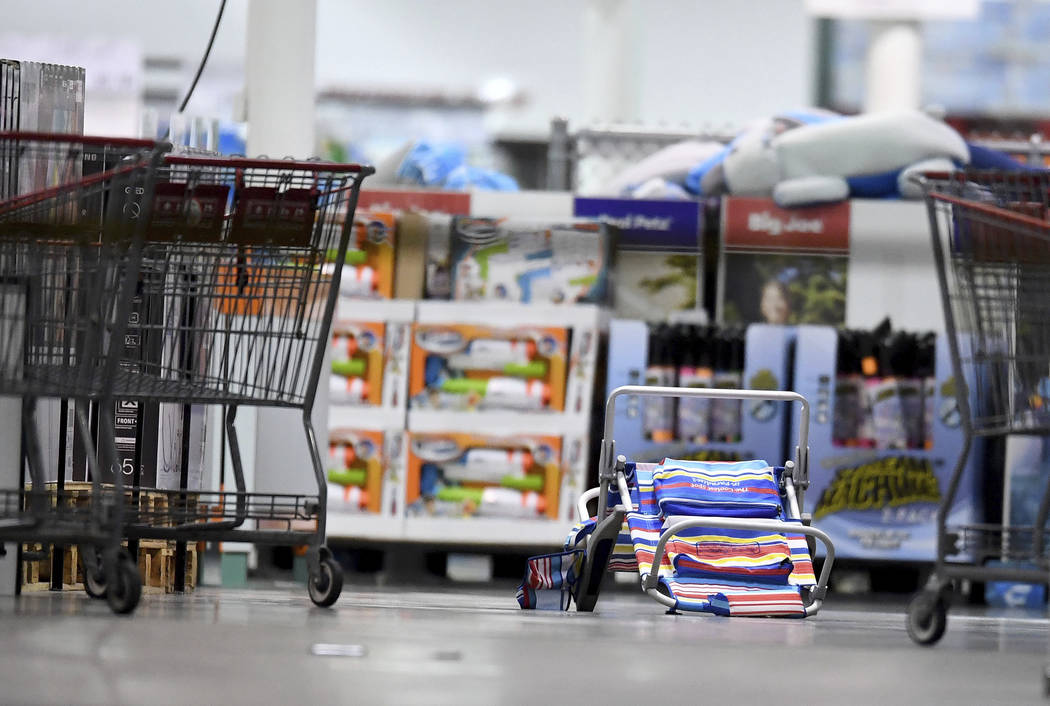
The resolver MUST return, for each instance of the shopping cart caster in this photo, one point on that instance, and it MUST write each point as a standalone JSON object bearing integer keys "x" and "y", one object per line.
{"x": 927, "y": 617}
{"x": 325, "y": 587}
{"x": 94, "y": 576}
{"x": 124, "y": 585}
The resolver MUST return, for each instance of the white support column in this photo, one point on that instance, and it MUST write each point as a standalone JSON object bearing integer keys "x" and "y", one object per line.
{"x": 612, "y": 72}
{"x": 279, "y": 109}
{"x": 279, "y": 72}
{"x": 893, "y": 71}
{"x": 279, "y": 77}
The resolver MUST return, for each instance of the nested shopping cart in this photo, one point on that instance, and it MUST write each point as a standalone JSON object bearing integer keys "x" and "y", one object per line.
{"x": 991, "y": 245}
{"x": 234, "y": 305}
{"x": 73, "y": 212}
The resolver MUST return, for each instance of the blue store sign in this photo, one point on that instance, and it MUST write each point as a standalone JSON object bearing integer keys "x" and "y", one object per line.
{"x": 647, "y": 225}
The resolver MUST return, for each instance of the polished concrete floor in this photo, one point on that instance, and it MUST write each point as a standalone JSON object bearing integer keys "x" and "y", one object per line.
{"x": 270, "y": 645}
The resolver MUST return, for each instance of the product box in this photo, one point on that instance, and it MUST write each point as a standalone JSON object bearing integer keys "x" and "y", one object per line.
{"x": 365, "y": 470}
{"x": 1025, "y": 478}
{"x": 422, "y": 265}
{"x": 368, "y": 267}
{"x": 461, "y": 475}
{"x": 654, "y": 428}
{"x": 370, "y": 353}
{"x": 502, "y": 357}
{"x": 530, "y": 261}
{"x": 659, "y": 253}
{"x": 875, "y": 491}
{"x": 782, "y": 266}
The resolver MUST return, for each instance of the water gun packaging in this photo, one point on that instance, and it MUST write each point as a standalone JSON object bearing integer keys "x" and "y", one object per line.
{"x": 532, "y": 262}
{"x": 501, "y": 357}
{"x": 368, "y": 266}
{"x": 369, "y": 358}
{"x": 654, "y": 428}
{"x": 459, "y": 475}
{"x": 365, "y": 471}
{"x": 884, "y": 438}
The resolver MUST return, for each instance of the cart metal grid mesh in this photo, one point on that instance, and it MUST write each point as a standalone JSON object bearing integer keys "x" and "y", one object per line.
{"x": 992, "y": 246}
{"x": 154, "y": 508}
{"x": 232, "y": 297}
{"x": 179, "y": 508}
{"x": 63, "y": 238}
{"x": 981, "y": 542}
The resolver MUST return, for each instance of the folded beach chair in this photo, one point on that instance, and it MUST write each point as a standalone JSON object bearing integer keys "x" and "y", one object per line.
{"x": 724, "y": 538}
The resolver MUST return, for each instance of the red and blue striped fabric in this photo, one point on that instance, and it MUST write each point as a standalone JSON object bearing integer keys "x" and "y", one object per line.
{"x": 733, "y": 598}
{"x": 550, "y": 580}
{"x": 704, "y": 552}
{"x": 713, "y": 488}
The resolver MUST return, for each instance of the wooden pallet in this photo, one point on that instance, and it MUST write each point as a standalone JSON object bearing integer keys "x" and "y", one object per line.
{"x": 36, "y": 574}
{"x": 156, "y": 567}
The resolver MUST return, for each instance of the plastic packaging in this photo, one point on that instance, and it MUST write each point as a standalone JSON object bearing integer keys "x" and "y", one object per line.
{"x": 358, "y": 281}
{"x": 694, "y": 413}
{"x": 729, "y": 373}
{"x": 506, "y": 392}
{"x": 344, "y": 347}
{"x": 497, "y": 502}
{"x": 494, "y": 354}
{"x": 850, "y": 398}
{"x": 351, "y": 390}
{"x": 351, "y": 367}
{"x": 341, "y": 455}
{"x": 658, "y": 412}
{"x": 347, "y": 498}
{"x": 489, "y": 465}
{"x": 348, "y": 476}
{"x": 353, "y": 257}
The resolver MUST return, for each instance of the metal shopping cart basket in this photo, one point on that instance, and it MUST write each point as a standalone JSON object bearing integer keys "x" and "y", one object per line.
{"x": 72, "y": 215}
{"x": 235, "y": 299}
{"x": 991, "y": 243}
{"x": 717, "y": 537}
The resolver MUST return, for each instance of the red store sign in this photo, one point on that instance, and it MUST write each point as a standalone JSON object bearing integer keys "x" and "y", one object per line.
{"x": 456, "y": 203}
{"x": 759, "y": 225}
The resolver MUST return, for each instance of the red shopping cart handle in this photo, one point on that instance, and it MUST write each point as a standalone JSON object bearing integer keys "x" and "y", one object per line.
{"x": 246, "y": 163}
{"x": 96, "y": 140}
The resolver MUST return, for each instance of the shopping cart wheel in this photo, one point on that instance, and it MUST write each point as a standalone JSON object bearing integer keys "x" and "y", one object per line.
{"x": 927, "y": 617}
{"x": 124, "y": 588}
{"x": 328, "y": 584}
{"x": 94, "y": 577}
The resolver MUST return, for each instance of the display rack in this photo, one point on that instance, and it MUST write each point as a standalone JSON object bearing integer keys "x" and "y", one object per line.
{"x": 582, "y": 161}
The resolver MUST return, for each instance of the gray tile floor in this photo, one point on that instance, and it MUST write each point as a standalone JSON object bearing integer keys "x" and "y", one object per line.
{"x": 473, "y": 646}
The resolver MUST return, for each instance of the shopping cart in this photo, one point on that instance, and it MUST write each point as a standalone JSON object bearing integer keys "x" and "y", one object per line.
{"x": 72, "y": 215}
{"x": 234, "y": 304}
{"x": 991, "y": 243}
{"x": 725, "y": 538}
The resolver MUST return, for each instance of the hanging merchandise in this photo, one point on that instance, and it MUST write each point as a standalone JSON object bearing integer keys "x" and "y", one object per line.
{"x": 728, "y": 374}
{"x": 661, "y": 372}
{"x": 685, "y": 355}
{"x": 696, "y": 371}
{"x": 884, "y": 439}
